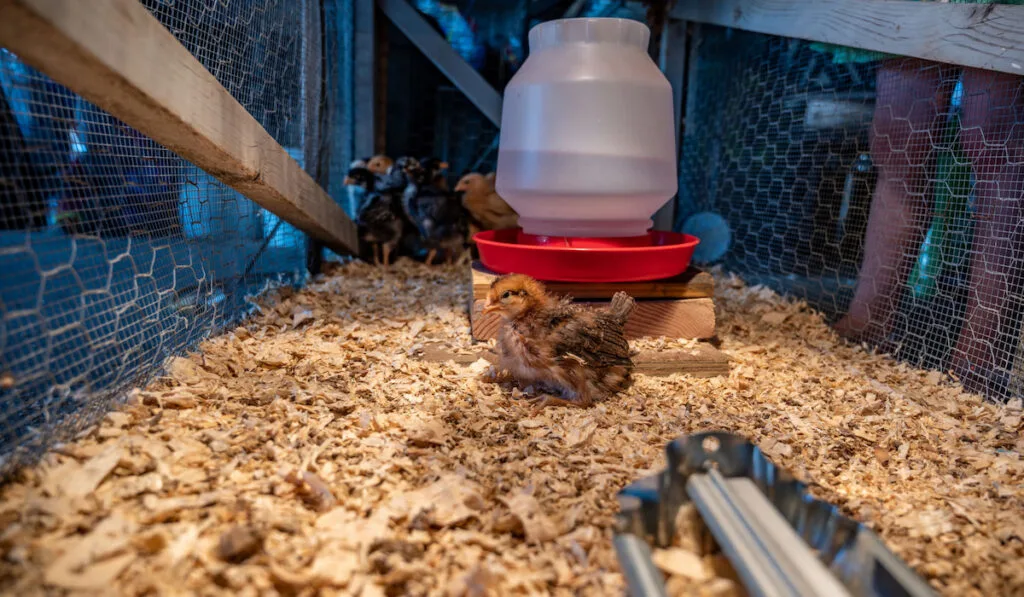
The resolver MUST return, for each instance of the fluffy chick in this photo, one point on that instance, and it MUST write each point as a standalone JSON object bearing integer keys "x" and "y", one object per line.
{"x": 436, "y": 168}
{"x": 380, "y": 220}
{"x": 379, "y": 164}
{"x": 487, "y": 210}
{"x": 437, "y": 215}
{"x": 564, "y": 349}
{"x": 361, "y": 177}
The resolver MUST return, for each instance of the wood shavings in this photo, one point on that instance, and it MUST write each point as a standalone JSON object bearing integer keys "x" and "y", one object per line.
{"x": 449, "y": 501}
{"x": 239, "y": 544}
{"x": 92, "y": 562}
{"x": 429, "y": 433}
{"x": 313, "y": 489}
{"x": 680, "y": 562}
{"x": 408, "y": 474}
{"x": 81, "y": 481}
{"x": 537, "y": 526}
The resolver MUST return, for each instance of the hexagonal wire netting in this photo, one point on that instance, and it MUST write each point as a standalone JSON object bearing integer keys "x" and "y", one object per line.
{"x": 116, "y": 253}
{"x": 885, "y": 191}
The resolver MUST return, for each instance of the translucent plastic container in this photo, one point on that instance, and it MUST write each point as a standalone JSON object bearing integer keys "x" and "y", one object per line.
{"x": 587, "y": 143}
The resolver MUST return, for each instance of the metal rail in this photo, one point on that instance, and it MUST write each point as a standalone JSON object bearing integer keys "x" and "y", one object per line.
{"x": 766, "y": 552}
{"x": 779, "y": 539}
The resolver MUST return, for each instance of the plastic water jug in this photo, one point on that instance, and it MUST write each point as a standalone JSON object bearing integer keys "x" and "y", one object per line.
{"x": 587, "y": 144}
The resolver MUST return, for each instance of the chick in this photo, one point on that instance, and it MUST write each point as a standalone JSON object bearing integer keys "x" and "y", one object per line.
{"x": 361, "y": 177}
{"x": 487, "y": 210}
{"x": 359, "y": 183}
{"x": 560, "y": 347}
{"x": 379, "y": 164}
{"x": 437, "y": 215}
{"x": 437, "y": 167}
{"x": 380, "y": 220}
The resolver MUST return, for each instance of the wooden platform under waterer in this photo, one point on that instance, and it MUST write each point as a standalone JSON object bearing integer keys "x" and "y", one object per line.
{"x": 679, "y": 307}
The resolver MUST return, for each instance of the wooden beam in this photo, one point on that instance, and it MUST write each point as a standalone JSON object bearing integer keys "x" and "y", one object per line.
{"x": 444, "y": 57}
{"x": 115, "y": 54}
{"x": 365, "y": 81}
{"x": 703, "y": 360}
{"x": 988, "y": 36}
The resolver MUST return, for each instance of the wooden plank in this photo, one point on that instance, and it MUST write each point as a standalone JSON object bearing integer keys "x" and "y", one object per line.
{"x": 987, "y": 36}
{"x": 364, "y": 77}
{"x": 693, "y": 283}
{"x": 703, "y": 360}
{"x": 119, "y": 57}
{"x": 677, "y": 318}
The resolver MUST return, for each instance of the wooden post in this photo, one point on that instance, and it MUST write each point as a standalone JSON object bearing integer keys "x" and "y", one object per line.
{"x": 118, "y": 56}
{"x": 672, "y": 61}
{"x": 365, "y": 79}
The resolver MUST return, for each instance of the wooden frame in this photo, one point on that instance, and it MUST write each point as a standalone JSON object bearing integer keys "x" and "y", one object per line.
{"x": 987, "y": 36}
{"x": 115, "y": 54}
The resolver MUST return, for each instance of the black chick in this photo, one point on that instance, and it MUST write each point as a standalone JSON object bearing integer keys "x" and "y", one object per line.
{"x": 380, "y": 219}
{"x": 361, "y": 177}
{"x": 437, "y": 214}
{"x": 436, "y": 168}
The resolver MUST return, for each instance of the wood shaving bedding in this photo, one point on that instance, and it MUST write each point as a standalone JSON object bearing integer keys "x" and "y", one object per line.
{"x": 309, "y": 452}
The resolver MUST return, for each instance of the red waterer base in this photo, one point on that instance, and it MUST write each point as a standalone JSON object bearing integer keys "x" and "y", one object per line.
{"x": 655, "y": 256}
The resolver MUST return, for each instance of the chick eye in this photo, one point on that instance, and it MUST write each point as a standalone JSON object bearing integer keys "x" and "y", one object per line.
{"x": 505, "y": 295}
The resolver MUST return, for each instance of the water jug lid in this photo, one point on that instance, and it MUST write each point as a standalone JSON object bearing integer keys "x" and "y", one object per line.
{"x": 589, "y": 30}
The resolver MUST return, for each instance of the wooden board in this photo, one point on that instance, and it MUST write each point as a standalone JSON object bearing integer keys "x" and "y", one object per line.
{"x": 702, "y": 361}
{"x": 118, "y": 56}
{"x": 691, "y": 284}
{"x": 980, "y": 35}
{"x": 677, "y": 318}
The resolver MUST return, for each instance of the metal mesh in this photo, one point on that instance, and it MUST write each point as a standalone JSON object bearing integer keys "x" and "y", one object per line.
{"x": 885, "y": 192}
{"x": 116, "y": 253}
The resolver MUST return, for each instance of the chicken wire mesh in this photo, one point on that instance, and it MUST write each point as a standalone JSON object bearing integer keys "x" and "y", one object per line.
{"x": 116, "y": 253}
{"x": 885, "y": 191}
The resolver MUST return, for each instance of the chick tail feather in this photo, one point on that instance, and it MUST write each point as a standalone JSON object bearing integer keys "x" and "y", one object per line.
{"x": 622, "y": 306}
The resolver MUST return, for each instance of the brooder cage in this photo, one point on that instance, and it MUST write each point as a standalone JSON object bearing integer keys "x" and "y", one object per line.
{"x": 205, "y": 388}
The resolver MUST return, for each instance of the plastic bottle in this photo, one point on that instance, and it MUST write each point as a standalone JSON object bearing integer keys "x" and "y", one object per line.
{"x": 587, "y": 143}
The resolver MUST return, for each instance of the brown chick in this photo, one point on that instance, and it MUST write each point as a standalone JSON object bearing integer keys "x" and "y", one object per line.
{"x": 564, "y": 349}
{"x": 487, "y": 210}
{"x": 379, "y": 164}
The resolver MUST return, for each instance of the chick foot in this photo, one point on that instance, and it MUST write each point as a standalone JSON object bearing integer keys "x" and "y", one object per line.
{"x": 545, "y": 400}
{"x": 493, "y": 375}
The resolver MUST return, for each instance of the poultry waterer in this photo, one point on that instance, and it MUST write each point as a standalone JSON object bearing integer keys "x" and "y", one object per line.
{"x": 587, "y": 155}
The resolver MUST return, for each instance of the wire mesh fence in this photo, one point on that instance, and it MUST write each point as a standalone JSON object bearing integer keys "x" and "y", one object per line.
{"x": 116, "y": 253}
{"x": 885, "y": 191}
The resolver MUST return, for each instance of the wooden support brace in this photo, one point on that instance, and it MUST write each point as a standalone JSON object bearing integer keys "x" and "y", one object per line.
{"x": 115, "y": 54}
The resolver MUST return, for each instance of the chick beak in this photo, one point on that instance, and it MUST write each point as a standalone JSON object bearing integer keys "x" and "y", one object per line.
{"x": 490, "y": 307}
